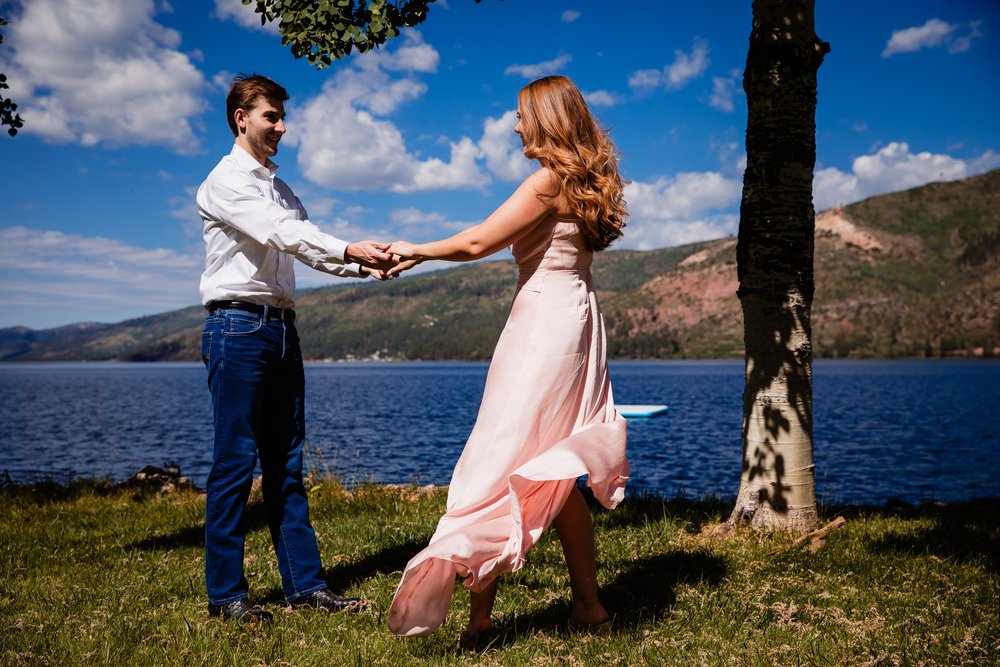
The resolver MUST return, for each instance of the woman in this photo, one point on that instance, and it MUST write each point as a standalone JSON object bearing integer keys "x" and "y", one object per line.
{"x": 547, "y": 415}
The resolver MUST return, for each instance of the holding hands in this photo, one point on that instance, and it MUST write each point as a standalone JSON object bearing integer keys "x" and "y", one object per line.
{"x": 405, "y": 255}
{"x": 373, "y": 256}
{"x": 384, "y": 261}
{"x": 370, "y": 254}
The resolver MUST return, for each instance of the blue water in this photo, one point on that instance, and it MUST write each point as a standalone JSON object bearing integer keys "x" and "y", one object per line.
{"x": 906, "y": 429}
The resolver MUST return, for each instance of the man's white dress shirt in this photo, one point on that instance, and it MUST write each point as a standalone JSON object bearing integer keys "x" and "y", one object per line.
{"x": 254, "y": 227}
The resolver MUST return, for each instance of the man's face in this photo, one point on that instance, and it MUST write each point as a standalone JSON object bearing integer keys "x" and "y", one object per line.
{"x": 261, "y": 128}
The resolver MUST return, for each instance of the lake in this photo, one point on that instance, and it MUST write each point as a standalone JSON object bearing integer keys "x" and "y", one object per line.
{"x": 913, "y": 430}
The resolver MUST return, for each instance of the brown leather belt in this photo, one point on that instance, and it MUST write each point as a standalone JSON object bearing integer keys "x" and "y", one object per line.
{"x": 270, "y": 312}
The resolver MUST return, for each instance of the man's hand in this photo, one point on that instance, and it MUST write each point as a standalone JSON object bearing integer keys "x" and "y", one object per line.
{"x": 371, "y": 254}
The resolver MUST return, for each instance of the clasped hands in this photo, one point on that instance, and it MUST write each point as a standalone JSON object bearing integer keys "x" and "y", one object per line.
{"x": 384, "y": 261}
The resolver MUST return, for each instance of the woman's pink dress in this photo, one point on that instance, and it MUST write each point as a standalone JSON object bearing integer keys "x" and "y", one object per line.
{"x": 547, "y": 417}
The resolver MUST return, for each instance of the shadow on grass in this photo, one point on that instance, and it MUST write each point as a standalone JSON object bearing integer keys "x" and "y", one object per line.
{"x": 50, "y": 490}
{"x": 638, "y": 597}
{"x": 386, "y": 561}
{"x": 640, "y": 509}
{"x": 194, "y": 536}
{"x": 643, "y": 592}
{"x": 344, "y": 575}
{"x": 968, "y": 532}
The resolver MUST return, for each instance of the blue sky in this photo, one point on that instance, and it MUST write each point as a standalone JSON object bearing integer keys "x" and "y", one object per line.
{"x": 124, "y": 108}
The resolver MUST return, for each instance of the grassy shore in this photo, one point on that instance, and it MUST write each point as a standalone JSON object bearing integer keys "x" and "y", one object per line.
{"x": 96, "y": 574}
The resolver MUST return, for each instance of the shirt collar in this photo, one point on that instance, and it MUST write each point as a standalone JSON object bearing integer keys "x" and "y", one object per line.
{"x": 247, "y": 161}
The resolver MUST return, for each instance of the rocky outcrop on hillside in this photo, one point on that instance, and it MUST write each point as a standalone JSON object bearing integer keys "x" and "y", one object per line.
{"x": 910, "y": 274}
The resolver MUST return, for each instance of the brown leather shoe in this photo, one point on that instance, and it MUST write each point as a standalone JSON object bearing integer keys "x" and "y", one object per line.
{"x": 241, "y": 610}
{"x": 327, "y": 599}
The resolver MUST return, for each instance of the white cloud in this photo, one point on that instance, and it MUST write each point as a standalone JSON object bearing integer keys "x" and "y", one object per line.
{"x": 964, "y": 43}
{"x": 985, "y": 162}
{"x": 345, "y": 144}
{"x": 425, "y": 225}
{"x": 461, "y": 171}
{"x": 183, "y": 207}
{"x": 102, "y": 72}
{"x": 602, "y": 98}
{"x": 690, "y": 207}
{"x": 411, "y": 216}
{"x": 540, "y": 69}
{"x": 569, "y": 16}
{"x": 413, "y": 55}
{"x": 891, "y": 169}
{"x": 676, "y": 75}
{"x": 502, "y": 149}
{"x": 732, "y": 157}
{"x": 85, "y": 278}
{"x": 723, "y": 91}
{"x": 243, "y": 16}
{"x": 645, "y": 78}
{"x": 222, "y": 80}
{"x": 685, "y": 208}
{"x": 930, "y": 35}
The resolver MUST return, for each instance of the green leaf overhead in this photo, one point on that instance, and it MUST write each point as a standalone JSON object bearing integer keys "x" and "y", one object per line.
{"x": 8, "y": 117}
{"x": 325, "y": 31}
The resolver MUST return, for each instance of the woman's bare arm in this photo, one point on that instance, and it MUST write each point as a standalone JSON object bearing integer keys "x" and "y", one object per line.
{"x": 513, "y": 219}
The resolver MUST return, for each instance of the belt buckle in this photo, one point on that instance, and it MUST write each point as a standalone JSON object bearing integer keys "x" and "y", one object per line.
{"x": 275, "y": 313}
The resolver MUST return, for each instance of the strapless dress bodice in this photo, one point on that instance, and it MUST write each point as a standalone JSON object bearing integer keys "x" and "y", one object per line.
{"x": 553, "y": 245}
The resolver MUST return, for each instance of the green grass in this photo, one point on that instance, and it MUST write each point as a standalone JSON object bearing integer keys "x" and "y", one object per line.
{"x": 95, "y": 574}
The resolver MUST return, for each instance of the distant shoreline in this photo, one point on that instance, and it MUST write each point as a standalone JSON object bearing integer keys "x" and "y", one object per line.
{"x": 154, "y": 479}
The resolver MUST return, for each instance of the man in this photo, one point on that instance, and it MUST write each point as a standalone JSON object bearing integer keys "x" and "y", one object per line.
{"x": 254, "y": 228}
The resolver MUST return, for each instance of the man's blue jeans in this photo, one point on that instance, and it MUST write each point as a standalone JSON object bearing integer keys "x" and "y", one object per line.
{"x": 258, "y": 389}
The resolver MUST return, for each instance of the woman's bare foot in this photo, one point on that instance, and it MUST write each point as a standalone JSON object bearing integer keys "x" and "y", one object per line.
{"x": 594, "y": 619}
{"x": 475, "y": 636}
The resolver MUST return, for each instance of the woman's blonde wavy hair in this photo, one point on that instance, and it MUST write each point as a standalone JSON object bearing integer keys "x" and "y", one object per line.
{"x": 559, "y": 131}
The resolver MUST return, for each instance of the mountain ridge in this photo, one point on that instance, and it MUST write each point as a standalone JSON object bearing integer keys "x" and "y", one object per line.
{"x": 907, "y": 274}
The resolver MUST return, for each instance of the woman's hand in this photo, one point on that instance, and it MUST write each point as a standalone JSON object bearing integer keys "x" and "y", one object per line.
{"x": 403, "y": 249}
{"x": 403, "y": 265}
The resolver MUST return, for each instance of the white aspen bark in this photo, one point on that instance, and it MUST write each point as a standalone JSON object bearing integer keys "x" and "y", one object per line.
{"x": 777, "y": 487}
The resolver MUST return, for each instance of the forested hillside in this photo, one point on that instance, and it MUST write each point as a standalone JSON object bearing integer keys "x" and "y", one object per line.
{"x": 908, "y": 274}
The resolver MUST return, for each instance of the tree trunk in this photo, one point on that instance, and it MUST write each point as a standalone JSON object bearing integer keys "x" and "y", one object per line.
{"x": 775, "y": 268}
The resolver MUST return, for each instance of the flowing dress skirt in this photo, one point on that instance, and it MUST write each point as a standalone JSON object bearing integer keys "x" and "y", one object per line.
{"x": 547, "y": 417}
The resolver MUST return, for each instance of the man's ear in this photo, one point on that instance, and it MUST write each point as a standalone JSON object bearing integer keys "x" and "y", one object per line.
{"x": 241, "y": 120}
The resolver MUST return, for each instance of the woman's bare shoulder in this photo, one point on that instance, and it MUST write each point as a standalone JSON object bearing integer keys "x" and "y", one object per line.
{"x": 546, "y": 184}
{"x": 541, "y": 179}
